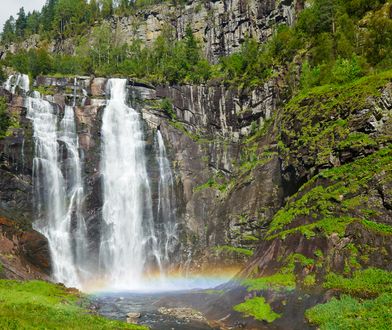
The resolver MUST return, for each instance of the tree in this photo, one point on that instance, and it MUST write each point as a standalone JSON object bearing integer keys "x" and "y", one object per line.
{"x": 192, "y": 49}
{"x": 107, "y": 8}
{"x": 32, "y": 23}
{"x": 94, "y": 10}
{"x": 8, "y": 34}
{"x": 20, "y": 24}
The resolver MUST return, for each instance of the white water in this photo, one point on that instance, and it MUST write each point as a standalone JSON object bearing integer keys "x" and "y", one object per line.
{"x": 166, "y": 207}
{"x": 17, "y": 80}
{"x": 130, "y": 245}
{"x": 58, "y": 194}
{"x": 128, "y": 241}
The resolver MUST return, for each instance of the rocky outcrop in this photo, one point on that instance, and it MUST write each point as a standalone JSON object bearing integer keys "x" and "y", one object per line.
{"x": 221, "y": 25}
{"x": 24, "y": 254}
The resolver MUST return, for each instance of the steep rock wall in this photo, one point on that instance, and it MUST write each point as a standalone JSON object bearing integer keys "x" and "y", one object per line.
{"x": 204, "y": 145}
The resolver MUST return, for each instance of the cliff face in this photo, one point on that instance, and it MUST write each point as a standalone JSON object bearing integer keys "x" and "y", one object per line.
{"x": 215, "y": 207}
{"x": 220, "y": 25}
{"x": 229, "y": 185}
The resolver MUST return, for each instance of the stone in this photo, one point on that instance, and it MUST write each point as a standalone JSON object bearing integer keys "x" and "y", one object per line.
{"x": 184, "y": 313}
{"x": 132, "y": 317}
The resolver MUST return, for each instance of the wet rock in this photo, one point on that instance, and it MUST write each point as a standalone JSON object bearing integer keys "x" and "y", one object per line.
{"x": 188, "y": 314}
{"x": 34, "y": 247}
{"x": 133, "y": 317}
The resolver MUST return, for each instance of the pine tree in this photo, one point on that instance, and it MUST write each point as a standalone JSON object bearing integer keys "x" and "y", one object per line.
{"x": 8, "y": 34}
{"x": 20, "y": 24}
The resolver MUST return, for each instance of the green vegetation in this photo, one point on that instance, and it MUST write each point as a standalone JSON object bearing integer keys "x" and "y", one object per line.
{"x": 326, "y": 116}
{"x": 5, "y": 120}
{"x": 366, "y": 283}
{"x": 323, "y": 202}
{"x": 352, "y": 311}
{"x": 234, "y": 250}
{"x": 257, "y": 308}
{"x": 338, "y": 41}
{"x": 284, "y": 279}
{"x": 37, "y": 304}
{"x": 275, "y": 282}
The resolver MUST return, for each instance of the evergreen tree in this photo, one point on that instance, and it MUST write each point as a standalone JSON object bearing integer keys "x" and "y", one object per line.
{"x": 107, "y": 8}
{"x": 20, "y": 24}
{"x": 8, "y": 34}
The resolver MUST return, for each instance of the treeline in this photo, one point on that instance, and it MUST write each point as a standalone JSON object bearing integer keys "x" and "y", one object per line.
{"x": 67, "y": 18}
{"x": 333, "y": 41}
{"x": 105, "y": 53}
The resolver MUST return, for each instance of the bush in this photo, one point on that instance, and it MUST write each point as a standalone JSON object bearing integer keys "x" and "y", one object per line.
{"x": 346, "y": 70}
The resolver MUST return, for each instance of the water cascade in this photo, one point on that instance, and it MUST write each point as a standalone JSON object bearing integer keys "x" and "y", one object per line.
{"x": 58, "y": 185}
{"x": 166, "y": 202}
{"x": 20, "y": 81}
{"x": 128, "y": 241}
{"x": 138, "y": 237}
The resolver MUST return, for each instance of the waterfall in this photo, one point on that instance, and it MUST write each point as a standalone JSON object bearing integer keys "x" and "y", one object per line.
{"x": 128, "y": 240}
{"x": 58, "y": 186}
{"x": 17, "y": 80}
{"x": 72, "y": 170}
{"x": 165, "y": 207}
{"x": 137, "y": 237}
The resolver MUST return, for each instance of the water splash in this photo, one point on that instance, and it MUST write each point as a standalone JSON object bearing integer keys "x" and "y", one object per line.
{"x": 128, "y": 240}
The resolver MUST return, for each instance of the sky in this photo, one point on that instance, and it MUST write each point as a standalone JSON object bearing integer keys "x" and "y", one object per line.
{"x": 11, "y": 7}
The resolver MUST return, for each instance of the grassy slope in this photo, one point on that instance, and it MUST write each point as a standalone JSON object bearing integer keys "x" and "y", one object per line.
{"x": 37, "y": 304}
{"x": 316, "y": 124}
{"x": 354, "y": 309}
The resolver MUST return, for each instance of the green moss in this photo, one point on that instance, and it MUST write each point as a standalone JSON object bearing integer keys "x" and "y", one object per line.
{"x": 41, "y": 305}
{"x": 364, "y": 283}
{"x": 321, "y": 205}
{"x": 350, "y": 313}
{"x": 5, "y": 120}
{"x": 378, "y": 227}
{"x": 276, "y": 282}
{"x": 258, "y": 309}
{"x": 325, "y": 116}
{"x": 234, "y": 250}
{"x": 309, "y": 280}
{"x": 46, "y": 90}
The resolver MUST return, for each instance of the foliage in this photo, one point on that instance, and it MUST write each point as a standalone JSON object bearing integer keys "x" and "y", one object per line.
{"x": 323, "y": 207}
{"x": 338, "y": 41}
{"x": 350, "y": 313}
{"x": 233, "y": 249}
{"x": 257, "y": 308}
{"x": 278, "y": 281}
{"x": 325, "y": 115}
{"x": 37, "y": 304}
{"x": 5, "y": 120}
{"x": 366, "y": 283}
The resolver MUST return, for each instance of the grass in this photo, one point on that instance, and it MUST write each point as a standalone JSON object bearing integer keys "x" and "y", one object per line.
{"x": 353, "y": 310}
{"x": 42, "y": 305}
{"x": 351, "y": 313}
{"x": 366, "y": 283}
{"x": 258, "y": 309}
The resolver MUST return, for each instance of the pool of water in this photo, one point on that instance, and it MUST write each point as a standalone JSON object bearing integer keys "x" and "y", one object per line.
{"x": 116, "y": 305}
{"x": 115, "y": 302}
